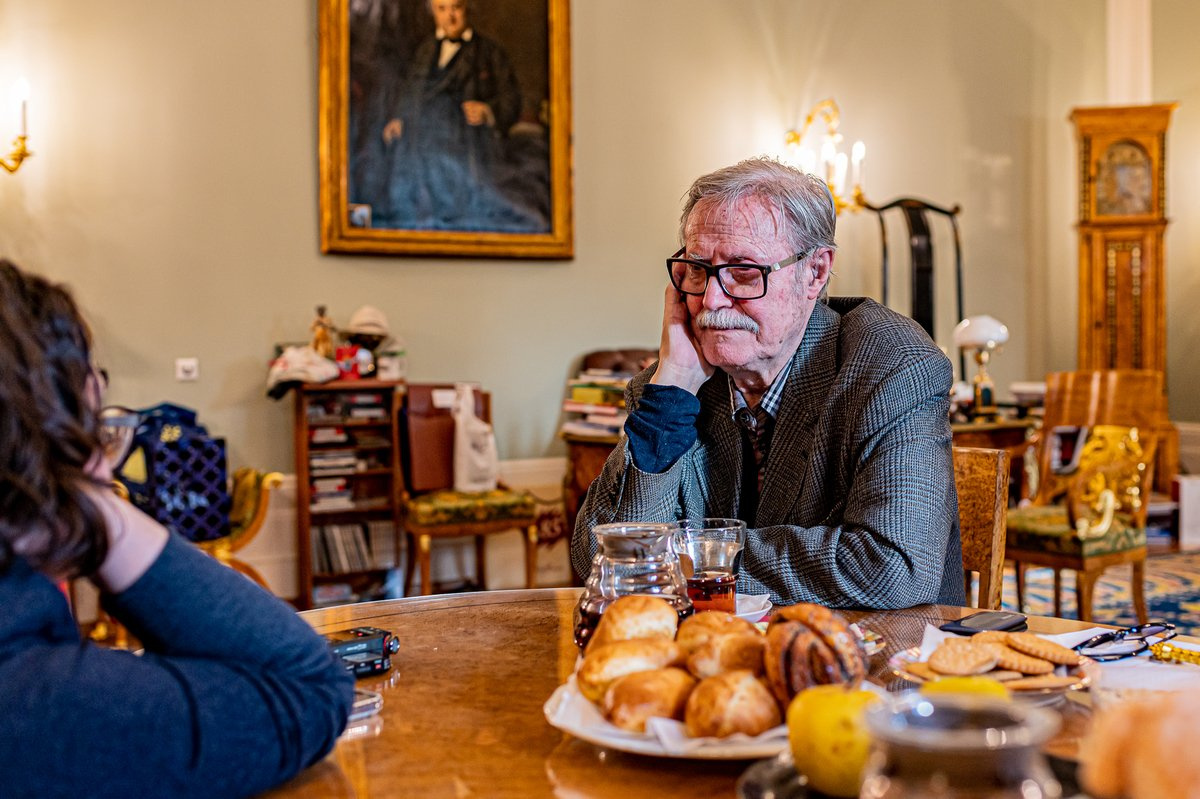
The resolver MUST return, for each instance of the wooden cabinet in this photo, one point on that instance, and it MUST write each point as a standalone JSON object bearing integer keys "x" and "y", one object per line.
{"x": 348, "y": 488}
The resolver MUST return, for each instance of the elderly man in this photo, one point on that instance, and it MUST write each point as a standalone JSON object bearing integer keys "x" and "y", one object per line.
{"x": 823, "y": 424}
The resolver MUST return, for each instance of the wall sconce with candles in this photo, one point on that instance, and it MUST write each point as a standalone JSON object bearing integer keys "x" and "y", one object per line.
{"x": 19, "y": 152}
{"x": 984, "y": 335}
{"x": 842, "y": 173}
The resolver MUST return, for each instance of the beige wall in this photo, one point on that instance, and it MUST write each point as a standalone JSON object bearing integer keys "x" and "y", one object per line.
{"x": 175, "y": 186}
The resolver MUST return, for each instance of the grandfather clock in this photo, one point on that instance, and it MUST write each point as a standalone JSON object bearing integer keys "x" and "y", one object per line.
{"x": 1122, "y": 218}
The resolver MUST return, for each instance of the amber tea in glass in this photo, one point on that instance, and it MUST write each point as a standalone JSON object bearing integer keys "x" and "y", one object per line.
{"x": 708, "y": 549}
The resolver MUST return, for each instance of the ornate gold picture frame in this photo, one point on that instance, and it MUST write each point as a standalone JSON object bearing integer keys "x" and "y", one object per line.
{"x": 451, "y": 145}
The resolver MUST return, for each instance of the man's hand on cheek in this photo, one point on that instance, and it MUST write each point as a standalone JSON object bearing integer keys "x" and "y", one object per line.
{"x": 680, "y": 361}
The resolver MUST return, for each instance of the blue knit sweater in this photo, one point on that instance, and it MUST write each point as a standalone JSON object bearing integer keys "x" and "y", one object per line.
{"x": 233, "y": 694}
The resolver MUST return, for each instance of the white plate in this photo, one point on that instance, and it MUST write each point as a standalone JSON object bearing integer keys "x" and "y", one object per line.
{"x": 569, "y": 711}
{"x": 748, "y": 607}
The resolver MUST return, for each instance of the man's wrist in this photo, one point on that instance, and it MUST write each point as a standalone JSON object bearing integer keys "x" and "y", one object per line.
{"x": 689, "y": 380}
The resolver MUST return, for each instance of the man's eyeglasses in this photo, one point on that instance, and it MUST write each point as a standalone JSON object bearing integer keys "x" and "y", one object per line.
{"x": 738, "y": 281}
{"x": 1117, "y": 644}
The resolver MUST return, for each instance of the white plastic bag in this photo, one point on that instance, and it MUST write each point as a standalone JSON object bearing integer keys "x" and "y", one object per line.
{"x": 476, "y": 464}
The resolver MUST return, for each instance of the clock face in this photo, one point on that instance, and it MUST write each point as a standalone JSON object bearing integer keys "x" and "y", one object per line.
{"x": 1124, "y": 180}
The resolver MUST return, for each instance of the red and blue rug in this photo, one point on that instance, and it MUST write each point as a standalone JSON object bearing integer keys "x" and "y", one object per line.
{"x": 1172, "y": 592}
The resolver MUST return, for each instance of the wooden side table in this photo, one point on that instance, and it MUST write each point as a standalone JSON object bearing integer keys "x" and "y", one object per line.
{"x": 585, "y": 459}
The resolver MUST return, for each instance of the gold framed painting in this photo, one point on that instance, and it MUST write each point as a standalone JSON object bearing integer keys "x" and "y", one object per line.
{"x": 445, "y": 128}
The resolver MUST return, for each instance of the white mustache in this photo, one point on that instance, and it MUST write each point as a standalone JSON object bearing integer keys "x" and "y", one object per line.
{"x": 725, "y": 319}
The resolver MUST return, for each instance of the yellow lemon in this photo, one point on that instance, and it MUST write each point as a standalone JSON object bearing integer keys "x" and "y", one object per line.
{"x": 984, "y": 686}
{"x": 827, "y": 731}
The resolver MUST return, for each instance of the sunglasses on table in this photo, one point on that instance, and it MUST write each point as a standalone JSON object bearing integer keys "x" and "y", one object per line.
{"x": 1117, "y": 644}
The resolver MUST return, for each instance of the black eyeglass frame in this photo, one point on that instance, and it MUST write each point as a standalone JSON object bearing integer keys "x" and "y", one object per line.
{"x": 1140, "y": 633}
{"x": 711, "y": 271}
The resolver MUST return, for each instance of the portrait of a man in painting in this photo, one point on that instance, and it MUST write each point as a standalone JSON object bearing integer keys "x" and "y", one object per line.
{"x": 447, "y": 116}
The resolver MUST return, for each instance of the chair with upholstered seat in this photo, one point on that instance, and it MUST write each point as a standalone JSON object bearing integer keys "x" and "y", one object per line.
{"x": 250, "y": 498}
{"x": 433, "y": 509}
{"x": 981, "y": 479}
{"x": 1115, "y": 409}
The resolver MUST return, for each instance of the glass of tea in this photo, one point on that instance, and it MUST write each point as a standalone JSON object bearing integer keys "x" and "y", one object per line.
{"x": 707, "y": 550}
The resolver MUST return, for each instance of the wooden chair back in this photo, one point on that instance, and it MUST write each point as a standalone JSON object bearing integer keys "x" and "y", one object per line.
{"x": 428, "y": 434}
{"x": 981, "y": 478}
{"x": 922, "y": 282}
{"x": 1124, "y": 397}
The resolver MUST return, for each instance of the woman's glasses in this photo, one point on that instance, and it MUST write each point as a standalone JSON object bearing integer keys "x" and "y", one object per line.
{"x": 1131, "y": 641}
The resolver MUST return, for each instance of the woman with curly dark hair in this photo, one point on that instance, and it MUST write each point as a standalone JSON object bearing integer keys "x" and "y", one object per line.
{"x": 233, "y": 693}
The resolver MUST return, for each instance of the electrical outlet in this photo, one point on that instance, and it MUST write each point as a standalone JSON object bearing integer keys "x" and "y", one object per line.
{"x": 187, "y": 369}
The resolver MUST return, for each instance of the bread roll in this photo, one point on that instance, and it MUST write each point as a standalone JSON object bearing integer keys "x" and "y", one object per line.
{"x": 730, "y": 703}
{"x": 636, "y": 616}
{"x": 603, "y": 664}
{"x": 1141, "y": 748}
{"x": 700, "y": 627}
{"x": 632, "y": 699}
{"x": 724, "y": 653}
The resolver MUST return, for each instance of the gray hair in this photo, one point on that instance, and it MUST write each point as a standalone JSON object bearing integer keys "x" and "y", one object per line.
{"x": 802, "y": 202}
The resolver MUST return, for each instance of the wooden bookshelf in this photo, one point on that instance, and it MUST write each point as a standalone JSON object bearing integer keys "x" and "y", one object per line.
{"x": 347, "y": 443}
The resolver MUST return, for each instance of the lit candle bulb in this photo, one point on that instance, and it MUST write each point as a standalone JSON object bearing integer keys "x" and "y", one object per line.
{"x": 839, "y": 174}
{"x": 828, "y": 156}
{"x": 21, "y": 93}
{"x": 858, "y": 154}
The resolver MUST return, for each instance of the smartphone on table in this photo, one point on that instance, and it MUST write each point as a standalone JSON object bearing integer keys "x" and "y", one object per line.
{"x": 1005, "y": 620}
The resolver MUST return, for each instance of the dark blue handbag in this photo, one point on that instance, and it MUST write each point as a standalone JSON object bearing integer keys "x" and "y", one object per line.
{"x": 176, "y": 473}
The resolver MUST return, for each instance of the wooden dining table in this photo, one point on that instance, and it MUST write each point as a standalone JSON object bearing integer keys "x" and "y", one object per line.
{"x": 462, "y": 704}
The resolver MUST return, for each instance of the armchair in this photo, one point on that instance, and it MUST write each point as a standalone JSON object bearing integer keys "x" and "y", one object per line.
{"x": 1093, "y": 516}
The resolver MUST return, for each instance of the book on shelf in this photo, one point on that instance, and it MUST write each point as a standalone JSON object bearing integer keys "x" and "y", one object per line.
{"x": 320, "y": 551}
{"x": 368, "y": 412}
{"x": 363, "y": 398}
{"x": 604, "y": 420}
{"x": 573, "y": 406}
{"x": 331, "y": 471}
{"x": 597, "y": 395}
{"x": 328, "y": 484}
{"x": 382, "y": 543}
{"x": 328, "y": 435}
{"x": 579, "y": 427}
{"x": 331, "y": 503}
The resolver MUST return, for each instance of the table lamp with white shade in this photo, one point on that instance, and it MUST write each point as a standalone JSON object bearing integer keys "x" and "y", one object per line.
{"x": 983, "y": 334}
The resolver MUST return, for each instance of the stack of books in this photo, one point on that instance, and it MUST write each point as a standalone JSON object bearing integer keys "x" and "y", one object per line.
{"x": 366, "y": 405}
{"x": 330, "y": 493}
{"x": 332, "y": 462}
{"x": 595, "y": 404}
{"x": 340, "y": 548}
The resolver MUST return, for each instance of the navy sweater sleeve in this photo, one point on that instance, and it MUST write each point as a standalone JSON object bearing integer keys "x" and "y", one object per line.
{"x": 233, "y": 694}
{"x": 662, "y": 427}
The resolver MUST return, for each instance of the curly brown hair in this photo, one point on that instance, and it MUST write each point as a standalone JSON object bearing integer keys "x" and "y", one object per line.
{"x": 48, "y": 429}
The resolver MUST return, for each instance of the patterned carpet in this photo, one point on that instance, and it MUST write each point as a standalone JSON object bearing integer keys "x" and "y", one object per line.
{"x": 1172, "y": 592}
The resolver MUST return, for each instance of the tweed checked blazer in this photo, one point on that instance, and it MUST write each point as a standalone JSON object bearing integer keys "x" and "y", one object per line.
{"x": 858, "y": 506}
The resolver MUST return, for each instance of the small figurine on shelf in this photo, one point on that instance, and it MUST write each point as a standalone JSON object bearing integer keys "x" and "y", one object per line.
{"x": 368, "y": 328}
{"x": 322, "y": 330}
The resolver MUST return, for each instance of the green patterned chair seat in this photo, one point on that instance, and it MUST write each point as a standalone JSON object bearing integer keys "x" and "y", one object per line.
{"x": 459, "y": 507}
{"x": 1044, "y": 528}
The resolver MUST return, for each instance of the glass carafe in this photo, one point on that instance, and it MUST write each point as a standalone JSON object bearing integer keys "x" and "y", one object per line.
{"x": 967, "y": 747}
{"x": 630, "y": 559}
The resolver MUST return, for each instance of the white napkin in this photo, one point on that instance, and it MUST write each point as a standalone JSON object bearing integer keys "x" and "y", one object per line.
{"x": 673, "y": 737}
{"x": 751, "y": 605}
